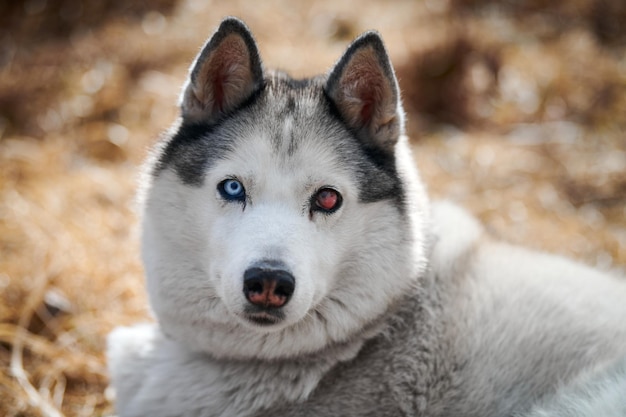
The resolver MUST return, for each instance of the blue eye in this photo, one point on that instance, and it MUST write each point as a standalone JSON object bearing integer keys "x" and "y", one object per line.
{"x": 232, "y": 190}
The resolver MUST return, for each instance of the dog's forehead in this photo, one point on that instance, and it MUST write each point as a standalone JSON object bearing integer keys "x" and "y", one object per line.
{"x": 288, "y": 133}
{"x": 290, "y": 123}
{"x": 296, "y": 113}
{"x": 289, "y": 149}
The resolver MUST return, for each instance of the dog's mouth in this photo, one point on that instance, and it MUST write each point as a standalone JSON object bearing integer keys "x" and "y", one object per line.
{"x": 264, "y": 318}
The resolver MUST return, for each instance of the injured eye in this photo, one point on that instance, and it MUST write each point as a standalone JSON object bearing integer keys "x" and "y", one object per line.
{"x": 326, "y": 200}
{"x": 232, "y": 190}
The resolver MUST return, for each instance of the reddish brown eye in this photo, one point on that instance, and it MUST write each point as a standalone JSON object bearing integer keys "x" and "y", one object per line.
{"x": 327, "y": 200}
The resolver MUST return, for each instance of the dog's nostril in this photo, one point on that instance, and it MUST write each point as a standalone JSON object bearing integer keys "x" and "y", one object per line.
{"x": 285, "y": 287}
{"x": 268, "y": 288}
{"x": 255, "y": 286}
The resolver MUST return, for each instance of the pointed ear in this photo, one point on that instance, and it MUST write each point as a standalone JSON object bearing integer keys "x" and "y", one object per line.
{"x": 225, "y": 74}
{"x": 364, "y": 89}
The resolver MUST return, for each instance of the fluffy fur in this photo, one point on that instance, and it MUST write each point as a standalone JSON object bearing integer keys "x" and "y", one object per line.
{"x": 399, "y": 308}
{"x": 599, "y": 392}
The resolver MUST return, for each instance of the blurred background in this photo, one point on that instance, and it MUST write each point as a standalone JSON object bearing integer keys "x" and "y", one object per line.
{"x": 516, "y": 109}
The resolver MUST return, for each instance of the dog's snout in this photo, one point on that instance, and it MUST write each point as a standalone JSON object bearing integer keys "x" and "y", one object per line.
{"x": 268, "y": 287}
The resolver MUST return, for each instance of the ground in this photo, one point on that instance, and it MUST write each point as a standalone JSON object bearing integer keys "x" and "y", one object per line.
{"x": 516, "y": 109}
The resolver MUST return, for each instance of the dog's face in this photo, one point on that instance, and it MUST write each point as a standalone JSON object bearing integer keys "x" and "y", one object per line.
{"x": 281, "y": 216}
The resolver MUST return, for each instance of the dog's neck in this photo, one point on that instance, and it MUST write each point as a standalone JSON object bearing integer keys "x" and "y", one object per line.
{"x": 265, "y": 383}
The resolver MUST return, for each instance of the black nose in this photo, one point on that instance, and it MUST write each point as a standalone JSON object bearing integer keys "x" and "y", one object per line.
{"x": 268, "y": 287}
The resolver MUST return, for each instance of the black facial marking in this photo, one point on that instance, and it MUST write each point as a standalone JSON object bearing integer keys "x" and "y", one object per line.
{"x": 291, "y": 104}
{"x": 194, "y": 146}
{"x": 382, "y": 183}
{"x": 190, "y": 151}
{"x": 376, "y": 170}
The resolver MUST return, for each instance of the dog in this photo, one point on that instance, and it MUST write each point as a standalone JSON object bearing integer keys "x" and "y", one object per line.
{"x": 296, "y": 267}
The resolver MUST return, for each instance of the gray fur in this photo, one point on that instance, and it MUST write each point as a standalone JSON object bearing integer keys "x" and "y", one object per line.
{"x": 595, "y": 393}
{"x": 400, "y": 308}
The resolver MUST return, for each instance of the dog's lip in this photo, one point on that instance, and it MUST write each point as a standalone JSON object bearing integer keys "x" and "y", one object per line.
{"x": 263, "y": 318}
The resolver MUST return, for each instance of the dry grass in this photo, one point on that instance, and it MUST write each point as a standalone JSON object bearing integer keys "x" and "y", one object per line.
{"x": 515, "y": 115}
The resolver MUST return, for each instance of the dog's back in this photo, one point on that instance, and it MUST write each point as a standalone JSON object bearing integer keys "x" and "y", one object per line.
{"x": 599, "y": 392}
{"x": 527, "y": 322}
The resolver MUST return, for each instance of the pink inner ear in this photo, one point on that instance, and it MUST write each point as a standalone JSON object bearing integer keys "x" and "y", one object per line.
{"x": 226, "y": 78}
{"x": 218, "y": 91}
{"x": 367, "y": 96}
{"x": 368, "y": 100}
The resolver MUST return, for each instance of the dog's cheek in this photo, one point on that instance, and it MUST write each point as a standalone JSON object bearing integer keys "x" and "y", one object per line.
{"x": 324, "y": 251}
{"x": 308, "y": 280}
{"x": 223, "y": 256}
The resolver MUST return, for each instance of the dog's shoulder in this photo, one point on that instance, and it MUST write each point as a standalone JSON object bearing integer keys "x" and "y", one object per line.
{"x": 456, "y": 234}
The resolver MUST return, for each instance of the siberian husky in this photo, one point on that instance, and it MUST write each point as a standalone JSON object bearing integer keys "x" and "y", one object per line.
{"x": 296, "y": 268}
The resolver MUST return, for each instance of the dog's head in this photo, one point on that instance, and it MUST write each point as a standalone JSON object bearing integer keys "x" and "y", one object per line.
{"x": 280, "y": 215}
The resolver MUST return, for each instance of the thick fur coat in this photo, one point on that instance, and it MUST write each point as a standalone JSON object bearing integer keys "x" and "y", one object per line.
{"x": 296, "y": 267}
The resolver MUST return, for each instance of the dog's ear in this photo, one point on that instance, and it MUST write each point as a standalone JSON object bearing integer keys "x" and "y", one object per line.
{"x": 225, "y": 73}
{"x": 363, "y": 87}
